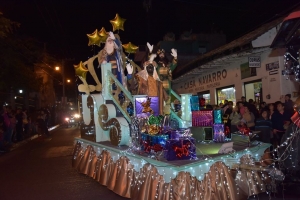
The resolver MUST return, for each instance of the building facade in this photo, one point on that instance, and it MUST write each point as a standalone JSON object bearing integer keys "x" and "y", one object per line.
{"x": 254, "y": 70}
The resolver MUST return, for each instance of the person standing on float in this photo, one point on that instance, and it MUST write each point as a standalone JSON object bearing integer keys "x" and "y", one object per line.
{"x": 164, "y": 67}
{"x": 112, "y": 53}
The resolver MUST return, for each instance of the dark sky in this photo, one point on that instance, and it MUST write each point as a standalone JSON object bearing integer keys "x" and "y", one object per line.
{"x": 63, "y": 24}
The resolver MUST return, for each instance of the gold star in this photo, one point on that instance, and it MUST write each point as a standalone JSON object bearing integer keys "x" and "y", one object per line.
{"x": 94, "y": 38}
{"x": 81, "y": 70}
{"x": 130, "y": 48}
{"x": 103, "y": 35}
{"x": 118, "y": 23}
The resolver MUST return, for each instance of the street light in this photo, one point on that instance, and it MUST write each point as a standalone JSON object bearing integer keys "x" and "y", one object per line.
{"x": 69, "y": 81}
{"x": 57, "y": 68}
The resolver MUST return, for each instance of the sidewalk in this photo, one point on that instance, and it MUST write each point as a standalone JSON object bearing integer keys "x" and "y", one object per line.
{"x": 18, "y": 144}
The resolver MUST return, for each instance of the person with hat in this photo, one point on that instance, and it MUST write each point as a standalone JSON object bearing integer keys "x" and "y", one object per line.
{"x": 164, "y": 67}
{"x": 147, "y": 82}
{"x": 112, "y": 53}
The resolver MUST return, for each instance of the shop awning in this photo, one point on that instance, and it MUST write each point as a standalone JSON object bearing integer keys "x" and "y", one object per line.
{"x": 289, "y": 32}
{"x": 232, "y": 49}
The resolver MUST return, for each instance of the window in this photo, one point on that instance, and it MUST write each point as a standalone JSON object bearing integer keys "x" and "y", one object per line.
{"x": 226, "y": 93}
{"x": 205, "y": 95}
{"x": 253, "y": 90}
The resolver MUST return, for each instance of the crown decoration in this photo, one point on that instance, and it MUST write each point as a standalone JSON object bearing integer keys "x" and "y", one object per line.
{"x": 159, "y": 51}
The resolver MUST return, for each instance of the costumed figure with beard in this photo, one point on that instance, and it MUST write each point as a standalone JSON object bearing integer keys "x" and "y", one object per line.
{"x": 164, "y": 67}
{"x": 112, "y": 53}
{"x": 146, "y": 82}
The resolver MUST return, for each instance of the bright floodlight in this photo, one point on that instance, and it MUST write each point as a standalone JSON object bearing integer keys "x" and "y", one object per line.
{"x": 20, "y": 91}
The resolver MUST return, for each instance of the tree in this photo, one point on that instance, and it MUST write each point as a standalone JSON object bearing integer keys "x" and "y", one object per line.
{"x": 6, "y": 26}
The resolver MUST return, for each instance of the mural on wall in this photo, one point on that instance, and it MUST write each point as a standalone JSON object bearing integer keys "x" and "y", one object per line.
{"x": 247, "y": 71}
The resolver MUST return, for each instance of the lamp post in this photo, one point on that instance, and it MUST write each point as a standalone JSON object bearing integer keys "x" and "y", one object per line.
{"x": 57, "y": 68}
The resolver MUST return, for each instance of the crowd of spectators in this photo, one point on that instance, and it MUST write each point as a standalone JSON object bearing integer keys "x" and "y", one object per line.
{"x": 18, "y": 125}
{"x": 270, "y": 120}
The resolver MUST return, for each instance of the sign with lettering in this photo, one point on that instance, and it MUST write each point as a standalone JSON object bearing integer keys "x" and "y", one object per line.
{"x": 254, "y": 61}
{"x": 272, "y": 66}
{"x": 205, "y": 82}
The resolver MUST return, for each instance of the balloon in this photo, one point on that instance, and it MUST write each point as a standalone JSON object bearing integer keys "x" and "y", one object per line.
{"x": 81, "y": 70}
{"x": 94, "y": 38}
{"x": 103, "y": 35}
{"x": 130, "y": 48}
{"x": 118, "y": 23}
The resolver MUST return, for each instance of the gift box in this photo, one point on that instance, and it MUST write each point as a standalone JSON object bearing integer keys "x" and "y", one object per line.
{"x": 217, "y": 116}
{"x": 153, "y": 142}
{"x": 179, "y": 133}
{"x": 148, "y": 105}
{"x": 181, "y": 149}
{"x": 194, "y": 103}
{"x": 202, "y": 118}
{"x": 219, "y": 135}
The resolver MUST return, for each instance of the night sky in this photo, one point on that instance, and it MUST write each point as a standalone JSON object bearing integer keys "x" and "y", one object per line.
{"x": 63, "y": 24}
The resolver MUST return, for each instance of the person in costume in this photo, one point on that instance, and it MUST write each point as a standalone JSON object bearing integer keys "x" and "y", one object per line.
{"x": 112, "y": 53}
{"x": 164, "y": 67}
{"x": 146, "y": 82}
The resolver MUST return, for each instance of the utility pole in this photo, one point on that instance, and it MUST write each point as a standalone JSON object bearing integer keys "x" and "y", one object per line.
{"x": 63, "y": 83}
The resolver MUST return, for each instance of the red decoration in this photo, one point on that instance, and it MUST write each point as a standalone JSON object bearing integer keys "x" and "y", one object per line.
{"x": 244, "y": 130}
{"x": 183, "y": 150}
{"x": 148, "y": 147}
{"x": 227, "y": 130}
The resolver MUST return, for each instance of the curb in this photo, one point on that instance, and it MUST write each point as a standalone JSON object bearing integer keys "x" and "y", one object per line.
{"x": 16, "y": 145}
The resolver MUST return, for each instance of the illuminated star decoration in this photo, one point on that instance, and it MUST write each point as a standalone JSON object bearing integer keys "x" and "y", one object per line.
{"x": 130, "y": 48}
{"x": 94, "y": 38}
{"x": 81, "y": 70}
{"x": 118, "y": 23}
{"x": 103, "y": 35}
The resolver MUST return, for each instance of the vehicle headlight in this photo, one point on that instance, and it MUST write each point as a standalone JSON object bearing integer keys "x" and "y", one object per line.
{"x": 67, "y": 118}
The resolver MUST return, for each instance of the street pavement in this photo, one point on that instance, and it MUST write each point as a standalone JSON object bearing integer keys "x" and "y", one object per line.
{"x": 41, "y": 169}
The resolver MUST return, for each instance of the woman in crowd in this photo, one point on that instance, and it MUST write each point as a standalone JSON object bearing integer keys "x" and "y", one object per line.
{"x": 264, "y": 125}
{"x": 249, "y": 118}
{"x": 271, "y": 110}
{"x": 235, "y": 118}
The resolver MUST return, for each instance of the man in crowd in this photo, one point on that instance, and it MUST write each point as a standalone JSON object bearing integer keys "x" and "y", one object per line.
{"x": 289, "y": 105}
{"x": 280, "y": 121}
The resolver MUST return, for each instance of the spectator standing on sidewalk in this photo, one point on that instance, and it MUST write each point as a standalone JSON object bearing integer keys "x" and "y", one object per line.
{"x": 19, "y": 124}
{"x": 9, "y": 127}
{"x": 25, "y": 123}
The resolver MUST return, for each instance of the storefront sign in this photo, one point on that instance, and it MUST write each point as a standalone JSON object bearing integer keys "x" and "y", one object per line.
{"x": 272, "y": 66}
{"x": 246, "y": 71}
{"x": 254, "y": 61}
{"x": 208, "y": 81}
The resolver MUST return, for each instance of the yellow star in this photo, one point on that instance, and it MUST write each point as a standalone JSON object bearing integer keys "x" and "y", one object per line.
{"x": 94, "y": 38}
{"x": 130, "y": 48}
{"x": 118, "y": 23}
{"x": 81, "y": 70}
{"x": 103, "y": 35}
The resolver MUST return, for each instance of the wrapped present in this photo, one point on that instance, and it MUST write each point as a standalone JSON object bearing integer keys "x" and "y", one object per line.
{"x": 217, "y": 116}
{"x": 202, "y": 118}
{"x": 179, "y": 133}
{"x": 153, "y": 142}
{"x": 219, "y": 135}
{"x": 194, "y": 103}
{"x": 174, "y": 124}
{"x": 148, "y": 105}
{"x": 182, "y": 149}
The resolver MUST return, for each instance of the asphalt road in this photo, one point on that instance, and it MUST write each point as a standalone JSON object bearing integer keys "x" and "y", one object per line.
{"x": 41, "y": 169}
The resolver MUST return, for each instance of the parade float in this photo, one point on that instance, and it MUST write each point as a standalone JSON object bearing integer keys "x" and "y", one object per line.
{"x": 142, "y": 146}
